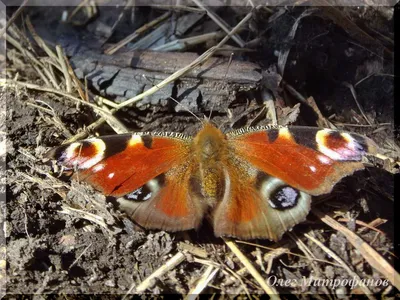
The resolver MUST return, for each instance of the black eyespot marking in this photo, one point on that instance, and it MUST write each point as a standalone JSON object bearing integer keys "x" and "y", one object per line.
{"x": 272, "y": 135}
{"x": 141, "y": 194}
{"x": 284, "y": 198}
{"x": 147, "y": 141}
{"x": 147, "y": 191}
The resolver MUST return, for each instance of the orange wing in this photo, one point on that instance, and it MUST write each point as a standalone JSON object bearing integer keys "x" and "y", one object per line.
{"x": 148, "y": 173}
{"x": 310, "y": 159}
{"x": 271, "y": 173}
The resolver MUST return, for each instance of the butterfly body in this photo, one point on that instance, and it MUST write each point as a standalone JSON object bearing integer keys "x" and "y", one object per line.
{"x": 251, "y": 183}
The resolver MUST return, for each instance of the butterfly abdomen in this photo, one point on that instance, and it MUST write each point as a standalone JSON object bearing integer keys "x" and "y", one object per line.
{"x": 210, "y": 150}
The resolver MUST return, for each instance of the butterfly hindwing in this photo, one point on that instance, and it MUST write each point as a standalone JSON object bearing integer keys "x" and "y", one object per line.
{"x": 168, "y": 202}
{"x": 153, "y": 168}
{"x": 260, "y": 207}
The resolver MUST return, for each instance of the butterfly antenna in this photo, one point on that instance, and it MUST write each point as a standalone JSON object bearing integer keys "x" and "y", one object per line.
{"x": 176, "y": 101}
{"x": 186, "y": 108}
{"x": 227, "y": 70}
{"x": 211, "y": 111}
{"x": 224, "y": 78}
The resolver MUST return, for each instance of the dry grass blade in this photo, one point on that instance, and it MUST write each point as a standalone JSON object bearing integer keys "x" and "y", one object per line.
{"x": 370, "y": 255}
{"x": 168, "y": 80}
{"x": 186, "y": 43}
{"x": 114, "y": 123}
{"x": 332, "y": 254}
{"x": 243, "y": 259}
{"x": 343, "y": 21}
{"x": 39, "y": 40}
{"x": 270, "y": 106}
{"x": 310, "y": 256}
{"x": 128, "y": 5}
{"x": 45, "y": 75}
{"x": 221, "y": 23}
{"x": 90, "y": 10}
{"x": 205, "y": 279}
{"x": 358, "y": 222}
{"x": 85, "y": 215}
{"x": 197, "y": 251}
{"x": 138, "y": 32}
{"x": 276, "y": 252}
{"x": 63, "y": 64}
{"x": 353, "y": 92}
{"x": 201, "y": 59}
{"x": 310, "y": 102}
{"x": 321, "y": 121}
{"x": 177, "y": 7}
{"x": 32, "y": 86}
{"x": 169, "y": 265}
{"x": 77, "y": 83}
{"x": 13, "y": 17}
{"x": 80, "y": 255}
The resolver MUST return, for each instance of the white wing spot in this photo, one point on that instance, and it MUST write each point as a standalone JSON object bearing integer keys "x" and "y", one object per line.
{"x": 70, "y": 151}
{"x": 323, "y": 159}
{"x": 285, "y": 133}
{"x": 98, "y": 167}
{"x": 148, "y": 196}
{"x": 111, "y": 175}
{"x": 135, "y": 139}
{"x": 313, "y": 169}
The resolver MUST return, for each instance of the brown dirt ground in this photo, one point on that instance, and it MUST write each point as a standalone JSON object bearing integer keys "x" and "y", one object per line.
{"x": 51, "y": 249}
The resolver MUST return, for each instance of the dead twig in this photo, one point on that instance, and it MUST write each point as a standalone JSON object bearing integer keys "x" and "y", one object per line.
{"x": 32, "y": 86}
{"x": 201, "y": 59}
{"x": 221, "y": 23}
{"x": 270, "y": 290}
{"x": 80, "y": 255}
{"x": 204, "y": 280}
{"x": 276, "y": 252}
{"x": 149, "y": 281}
{"x": 61, "y": 60}
{"x": 310, "y": 255}
{"x": 370, "y": 255}
{"x": 138, "y": 32}
{"x": 13, "y": 17}
{"x": 369, "y": 226}
{"x": 332, "y": 254}
{"x": 353, "y": 92}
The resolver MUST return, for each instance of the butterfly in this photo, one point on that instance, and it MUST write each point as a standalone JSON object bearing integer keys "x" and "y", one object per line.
{"x": 254, "y": 182}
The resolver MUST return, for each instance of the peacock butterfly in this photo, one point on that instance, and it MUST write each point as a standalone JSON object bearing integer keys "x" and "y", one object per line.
{"x": 250, "y": 183}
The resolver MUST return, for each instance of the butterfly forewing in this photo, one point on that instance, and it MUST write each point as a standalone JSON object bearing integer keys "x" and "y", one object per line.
{"x": 123, "y": 165}
{"x": 309, "y": 159}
